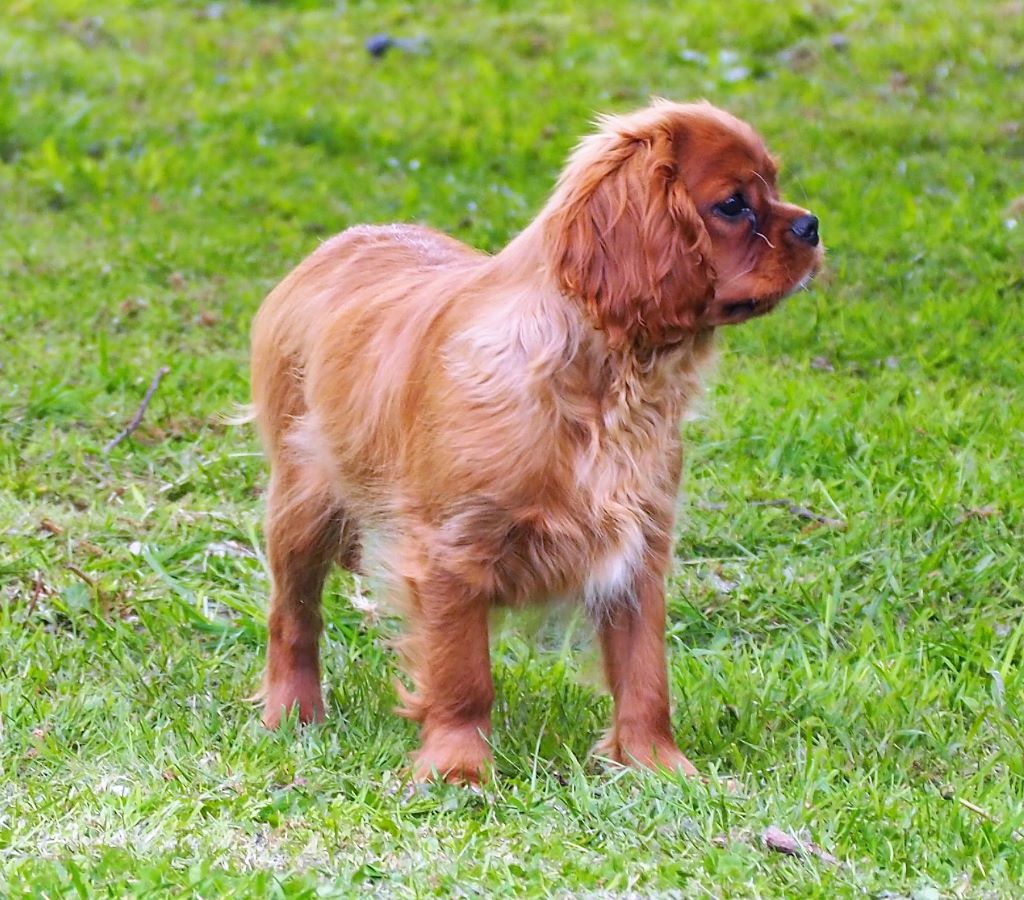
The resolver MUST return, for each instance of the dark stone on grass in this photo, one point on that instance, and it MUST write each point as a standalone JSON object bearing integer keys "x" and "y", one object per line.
{"x": 378, "y": 45}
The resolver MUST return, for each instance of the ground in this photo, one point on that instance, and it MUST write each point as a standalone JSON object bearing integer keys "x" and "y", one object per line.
{"x": 856, "y": 676}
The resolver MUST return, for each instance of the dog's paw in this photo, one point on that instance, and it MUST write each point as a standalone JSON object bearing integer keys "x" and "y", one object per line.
{"x": 646, "y": 753}
{"x": 301, "y": 693}
{"x": 456, "y": 756}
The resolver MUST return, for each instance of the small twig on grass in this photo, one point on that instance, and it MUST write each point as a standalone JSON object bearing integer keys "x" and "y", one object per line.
{"x": 38, "y": 589}
{"x": 141, "y": 411}
{"x": 801, "y": 512}
{"x": 1016, "y": 834}
{"x": 77, "y": 571}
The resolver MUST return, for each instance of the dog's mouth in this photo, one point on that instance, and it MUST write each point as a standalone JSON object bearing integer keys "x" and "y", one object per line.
{"x": 736, "y": 311}
{"x": 744, "y": 309}
{"x": 732, "y": 312}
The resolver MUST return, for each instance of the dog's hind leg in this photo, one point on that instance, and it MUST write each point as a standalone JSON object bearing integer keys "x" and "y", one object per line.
{"x": 306, "y": 530}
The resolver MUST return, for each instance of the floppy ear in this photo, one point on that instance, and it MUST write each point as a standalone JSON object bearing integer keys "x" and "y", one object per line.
{"x": 626, "y": 239}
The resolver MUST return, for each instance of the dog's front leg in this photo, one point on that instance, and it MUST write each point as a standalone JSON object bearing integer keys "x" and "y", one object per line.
{"x": 633, "y": 644}
{"x": 449, "y": 657}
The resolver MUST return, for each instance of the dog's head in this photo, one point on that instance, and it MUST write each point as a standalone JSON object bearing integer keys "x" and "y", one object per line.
{"x": 668, "y": 221}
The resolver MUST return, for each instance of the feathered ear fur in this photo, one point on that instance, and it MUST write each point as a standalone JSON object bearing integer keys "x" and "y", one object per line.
{"x": 625, "y": 237}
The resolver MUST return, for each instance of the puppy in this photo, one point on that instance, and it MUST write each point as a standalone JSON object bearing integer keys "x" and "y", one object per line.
{"x": 504, "y": 430}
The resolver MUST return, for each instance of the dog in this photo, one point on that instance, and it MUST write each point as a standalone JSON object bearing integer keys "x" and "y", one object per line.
{"x": 500, "y": 430}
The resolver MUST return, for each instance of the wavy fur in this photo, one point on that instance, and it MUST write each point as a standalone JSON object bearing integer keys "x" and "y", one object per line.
{"x": 504, "y": 429}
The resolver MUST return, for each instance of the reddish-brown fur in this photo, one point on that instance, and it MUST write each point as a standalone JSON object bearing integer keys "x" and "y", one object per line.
{"x": 500, "y": 430}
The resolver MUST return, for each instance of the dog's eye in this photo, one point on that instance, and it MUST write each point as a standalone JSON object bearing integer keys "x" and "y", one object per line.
{"x": 736, "y": 205}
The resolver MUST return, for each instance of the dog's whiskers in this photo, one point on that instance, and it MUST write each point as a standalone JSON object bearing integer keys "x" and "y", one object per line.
{"x": 761, "y": 177}
{"x": 736, "y": 277}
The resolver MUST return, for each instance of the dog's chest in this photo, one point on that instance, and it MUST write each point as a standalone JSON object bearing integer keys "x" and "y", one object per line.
{"x": 626, "y": 488}
{"x": 615, "y": 505}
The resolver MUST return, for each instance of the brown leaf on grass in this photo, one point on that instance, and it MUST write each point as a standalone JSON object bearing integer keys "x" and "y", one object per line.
{"x": 38, "y": 735}
{"x": 799, "y": 58}
{"x": 132, "y": 306}
{"x": 977, "y": 512}
{"x": 898, "y": 80}
{"x": 813, "y": 526}
{"x": 176, "y": 280}
{"x": 1015, "y": 207}
{"x": 48, "y": 525}
{"x": 778, "y": 840}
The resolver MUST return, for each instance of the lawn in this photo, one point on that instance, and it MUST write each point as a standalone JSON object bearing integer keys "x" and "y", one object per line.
{"x": 859, "y": 681}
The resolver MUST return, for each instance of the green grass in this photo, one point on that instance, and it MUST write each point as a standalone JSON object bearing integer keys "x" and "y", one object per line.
{"x": 162, "y": 165}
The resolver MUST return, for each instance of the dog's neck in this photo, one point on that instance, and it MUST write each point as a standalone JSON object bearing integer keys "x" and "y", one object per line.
{"x": 618, "y": 391}
{"x": 636, "y": 374}
{"x": 648, "y": 389}
{"x": 530, "y": 252}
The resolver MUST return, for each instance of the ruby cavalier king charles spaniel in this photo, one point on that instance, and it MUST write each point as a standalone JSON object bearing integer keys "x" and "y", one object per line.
{"x": 504, "y": 430}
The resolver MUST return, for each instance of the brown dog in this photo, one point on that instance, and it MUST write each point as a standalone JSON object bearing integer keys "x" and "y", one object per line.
{"x": 502, "y": 430}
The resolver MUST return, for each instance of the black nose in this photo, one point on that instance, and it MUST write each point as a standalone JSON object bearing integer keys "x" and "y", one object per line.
{"x": 806, "y": 228}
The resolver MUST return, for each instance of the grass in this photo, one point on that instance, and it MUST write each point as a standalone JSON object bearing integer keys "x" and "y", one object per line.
{"x": 163, "y": 164}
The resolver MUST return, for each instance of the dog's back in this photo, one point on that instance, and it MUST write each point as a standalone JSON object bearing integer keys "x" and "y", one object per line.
{"x": 352, "y": 302}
